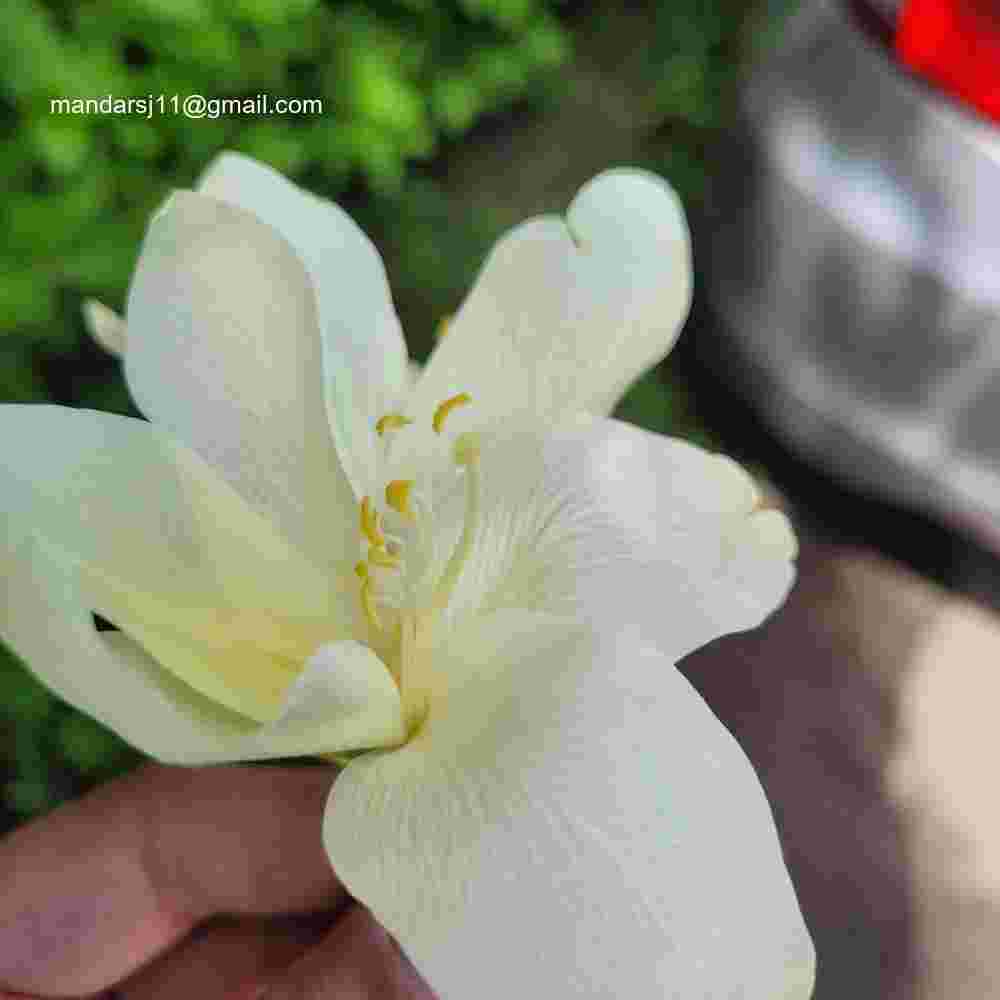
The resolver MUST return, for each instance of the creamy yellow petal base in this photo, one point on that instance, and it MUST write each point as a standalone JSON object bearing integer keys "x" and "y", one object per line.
{"x": 159, "y": 545}
{"x": 342, "y": 700}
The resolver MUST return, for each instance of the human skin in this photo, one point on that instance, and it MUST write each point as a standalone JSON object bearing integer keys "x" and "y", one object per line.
{"x": 128, "y": 886}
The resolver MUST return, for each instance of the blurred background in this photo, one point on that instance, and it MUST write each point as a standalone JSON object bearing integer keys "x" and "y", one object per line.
{"x": 846, "y": 306}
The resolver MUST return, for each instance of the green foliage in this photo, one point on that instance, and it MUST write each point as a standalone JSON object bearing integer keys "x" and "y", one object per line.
{"x": 394, "y": 77}
{"x": 663, "y": 405}
{"x": 50, "y": 747}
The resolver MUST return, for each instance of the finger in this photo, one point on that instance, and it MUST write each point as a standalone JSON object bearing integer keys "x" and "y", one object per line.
{"x": 357, "y": 960}
{"x": 103, "y": 884}
{"x": 226, "y": 957}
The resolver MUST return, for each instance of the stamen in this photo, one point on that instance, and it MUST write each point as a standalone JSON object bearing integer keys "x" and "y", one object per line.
{"x": 391, "y": 422}
{"x": 361, "y": 569}
{"x": 441, "y": 413}
{"x": 383, "y": 558}
{"x": 368, "y": 604}
{"x": 466, "y": 449}
{"x": 397, "y": 496}
{"x": 369, "y": 524}
{"x": 466, "y": 454}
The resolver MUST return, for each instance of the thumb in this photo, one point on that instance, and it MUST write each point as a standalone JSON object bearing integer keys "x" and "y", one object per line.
{"x": 357, "y": 960}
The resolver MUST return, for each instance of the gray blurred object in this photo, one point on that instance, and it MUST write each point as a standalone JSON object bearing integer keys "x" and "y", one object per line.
{"x": 851, "y": 251}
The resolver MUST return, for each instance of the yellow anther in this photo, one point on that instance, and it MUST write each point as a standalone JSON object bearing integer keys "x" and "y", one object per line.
{"x": 466, "y": 449}
{"x": 361, "y": 569}
{"x": 368, "y": 604}
{"x": 381, "y": 557}
{"x": 369, "y": 524}
{"x": 441, "y": 413}
{"x": 442, "y": 327}
{"x": 397, "y": 496}
{"x": 391, "y": 422}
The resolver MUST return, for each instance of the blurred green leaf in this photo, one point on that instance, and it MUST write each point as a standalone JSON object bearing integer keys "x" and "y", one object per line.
{"x": 87, "y": 745}
{"x": 22, "y": 698}
{"x": 61, "y": 143}
{"x": 28, "y": 796}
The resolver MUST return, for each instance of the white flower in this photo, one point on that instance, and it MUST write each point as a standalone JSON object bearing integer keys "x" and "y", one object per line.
{"x": 477, "y": 578}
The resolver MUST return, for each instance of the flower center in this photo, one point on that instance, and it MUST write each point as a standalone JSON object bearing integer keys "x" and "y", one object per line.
{"x": 406, "y": 580}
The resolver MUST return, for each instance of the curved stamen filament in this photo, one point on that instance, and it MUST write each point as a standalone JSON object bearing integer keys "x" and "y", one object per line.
{"x": 384, "y": 552}
{"x": 466, "y": 455}
{"x": 367, "y": 598}
{"x": 370, "y": 527}
{"x": 368, "y": 603}
{"x": 441, "y": 413}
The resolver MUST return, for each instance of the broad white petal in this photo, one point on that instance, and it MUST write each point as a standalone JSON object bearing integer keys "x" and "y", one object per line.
{"x": 343, "y": 700}
{"x": 607, "y": 522}
{"x": 224, "y": 351}
{"x": 567, "y": 313}
{"x": 364, "y": 355}
{"x": 572, "y": 822}
{"x": 105, "y": 326}
{"x": 162, "y": 547}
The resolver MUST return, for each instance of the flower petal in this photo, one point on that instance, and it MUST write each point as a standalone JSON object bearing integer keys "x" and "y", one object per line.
{"x": 603, "y": 521}
{"x": 224, "y": 351}
{"x": 566, "y": 314}
{"x": 343, "y": 700}
{"x": 573, "y": 821}
{"x": 162, "y": 547}
{"x": 339, "y": 702}
{"x": 105, "y": 326}
{"x": 364, "y": 355}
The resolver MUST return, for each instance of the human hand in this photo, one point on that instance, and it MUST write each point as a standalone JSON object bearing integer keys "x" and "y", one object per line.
{"x": 178, "y": 882}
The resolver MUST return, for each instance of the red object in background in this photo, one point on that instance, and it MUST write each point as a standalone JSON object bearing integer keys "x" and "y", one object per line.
{"x": 955, "y": 44}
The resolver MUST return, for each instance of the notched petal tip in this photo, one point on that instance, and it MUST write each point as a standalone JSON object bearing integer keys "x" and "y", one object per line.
{"x": 629, "y": 194}
{"x": 639, "y": 213}
{"x": 621, "y": 177}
